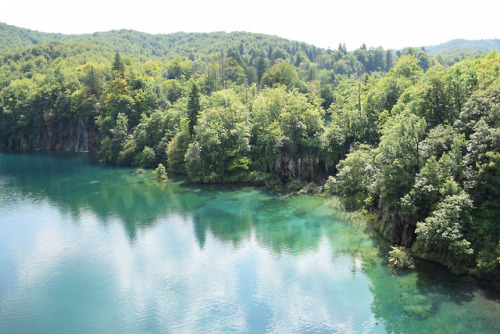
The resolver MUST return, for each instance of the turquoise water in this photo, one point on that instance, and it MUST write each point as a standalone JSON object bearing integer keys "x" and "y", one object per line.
{"x": 87, "y": 248}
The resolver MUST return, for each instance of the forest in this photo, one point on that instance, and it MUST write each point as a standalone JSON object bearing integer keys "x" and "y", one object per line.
{"x": 411, "y": 136}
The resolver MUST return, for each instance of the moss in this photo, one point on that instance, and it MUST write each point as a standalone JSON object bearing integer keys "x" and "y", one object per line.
{"x": 295, "y": 185}
{"x": 416, "y": 305}
{"x": 421, "y": 311}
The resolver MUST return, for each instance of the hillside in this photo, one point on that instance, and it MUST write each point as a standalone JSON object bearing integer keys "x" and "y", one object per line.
{"x": 15, "y": 38}
{"x": 464, "y": 47}
{"x": 159, "y": 46}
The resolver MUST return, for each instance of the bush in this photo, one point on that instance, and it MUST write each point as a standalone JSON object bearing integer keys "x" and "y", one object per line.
{"x": 400, "y": 257}
{"x": 161, "y": 173}
{"x": 329, "y": 186}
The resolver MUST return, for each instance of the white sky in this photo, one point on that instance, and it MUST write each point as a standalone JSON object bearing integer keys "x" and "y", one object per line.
{"x": 388, "y": 23}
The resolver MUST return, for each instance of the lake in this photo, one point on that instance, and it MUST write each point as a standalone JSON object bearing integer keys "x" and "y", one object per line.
{"x": 89, "y": 248}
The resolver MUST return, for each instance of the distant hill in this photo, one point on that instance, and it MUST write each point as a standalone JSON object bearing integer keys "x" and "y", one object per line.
{"x": 463, "y": 47}
{"x": 161, "y": 46}
{"x": 12, "y": 37}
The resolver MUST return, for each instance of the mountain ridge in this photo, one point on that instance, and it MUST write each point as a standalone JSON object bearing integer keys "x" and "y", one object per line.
{"x": 187, "y": 44}
{"x": 129, "y": 41}
{"x": 460, "y": 46}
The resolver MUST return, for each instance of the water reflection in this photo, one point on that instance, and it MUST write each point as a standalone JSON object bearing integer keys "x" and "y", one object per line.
{"x": 75, "y": 183}
{"x": 87, "y": 248}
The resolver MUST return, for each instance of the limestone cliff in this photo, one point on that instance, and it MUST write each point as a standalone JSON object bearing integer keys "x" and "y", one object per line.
{"x": 309, "y": 168}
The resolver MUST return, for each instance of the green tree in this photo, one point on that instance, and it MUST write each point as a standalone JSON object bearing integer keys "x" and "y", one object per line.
{"x": 280, "y": 74}
{"x": 118, "y": 67}
{"x": 221, "y": 141}
{"x": 119, "y": 134}
{"x": 284, "y": 122}
{"x": 398, "y": 157}
{"x": 193, "y": 107}
{"x": 177, "y": 148}
{"x": 179, "y": 69}
{"x": 261, "y": 67}
{"x": 161, "y": 173}
{"x": 355, "y": 176}
{"x": 444, "y": 228}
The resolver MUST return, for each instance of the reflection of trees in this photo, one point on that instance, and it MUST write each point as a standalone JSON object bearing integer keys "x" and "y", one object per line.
{"x": 77, "y": 183}
{"x": 284, "y": 224}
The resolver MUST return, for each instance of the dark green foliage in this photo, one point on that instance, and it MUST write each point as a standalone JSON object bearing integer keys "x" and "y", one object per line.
{"x": 177, "y": 148}
{"x": 193, "y": 107}
{"x": 118, "y": 67}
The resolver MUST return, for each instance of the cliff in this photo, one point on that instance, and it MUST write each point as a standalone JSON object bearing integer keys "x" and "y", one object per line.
{"x": 61, "y": 136}
{"x": 309, "y": 168}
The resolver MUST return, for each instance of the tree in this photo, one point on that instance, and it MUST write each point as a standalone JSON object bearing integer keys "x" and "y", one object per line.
{"x": 398, "y": 156}
{"x": 342, "y": 48}
{"x": 355, "y": 176}
{"x": 179, "y": 69}
{"x": 118, "y": 67}
{"x": 327, "y": 96}
{"x": 177, "y": 148}
{"x": 389, "y": 60}
{"x": 119, "y": 135}
{"x": 445, "y": 226}
{"x": 285, "y": 122}
{"x": 221, "y": 141}
{"x": 193, "y": 107}
{"x": 161, "y": 172}
{"x": 261, "y": 67}
{"x": 282, "y": 74}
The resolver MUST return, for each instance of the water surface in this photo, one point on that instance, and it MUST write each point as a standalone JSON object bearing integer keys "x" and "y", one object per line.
{"x": 87, "y": 248}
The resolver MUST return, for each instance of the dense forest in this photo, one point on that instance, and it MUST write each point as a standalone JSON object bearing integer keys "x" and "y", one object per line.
{"x": 411, "y": 136}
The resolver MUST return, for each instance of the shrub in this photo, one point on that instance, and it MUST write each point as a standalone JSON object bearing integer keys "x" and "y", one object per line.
{"x": 160, "y": 172}
{"x": 400, "y": 257}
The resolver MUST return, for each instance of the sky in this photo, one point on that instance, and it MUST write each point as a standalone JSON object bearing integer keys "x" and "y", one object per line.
{"x": 388, "y": 23}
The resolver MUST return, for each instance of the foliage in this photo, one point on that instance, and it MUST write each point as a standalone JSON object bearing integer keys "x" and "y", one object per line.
{"x": 284, "y": 122}
{"x": 400, "y": 257}
{"x": 446, "y": 225}
{"x": 221, "y": 138}
{"x": 355, "y": 177}
{"x": 160, "y": 172}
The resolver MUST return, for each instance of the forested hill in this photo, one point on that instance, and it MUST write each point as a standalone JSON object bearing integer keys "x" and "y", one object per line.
{"x": 168, "y": 46}
{"x": 463, "y": 46}
{"x": 15, "y": 38}
{"x": 161, "y": 46}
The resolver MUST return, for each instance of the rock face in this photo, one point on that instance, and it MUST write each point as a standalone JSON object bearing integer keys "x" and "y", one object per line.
{"x": 62, "y": 136}
{"x": 309, "y": 168}
{"x": 394, "y": 228}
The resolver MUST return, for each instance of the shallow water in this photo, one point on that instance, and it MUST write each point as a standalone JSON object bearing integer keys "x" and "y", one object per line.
{"x": 87, "y": 248}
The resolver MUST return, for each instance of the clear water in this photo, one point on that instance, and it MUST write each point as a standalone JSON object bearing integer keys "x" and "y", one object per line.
{"x": 86, "y": 248}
